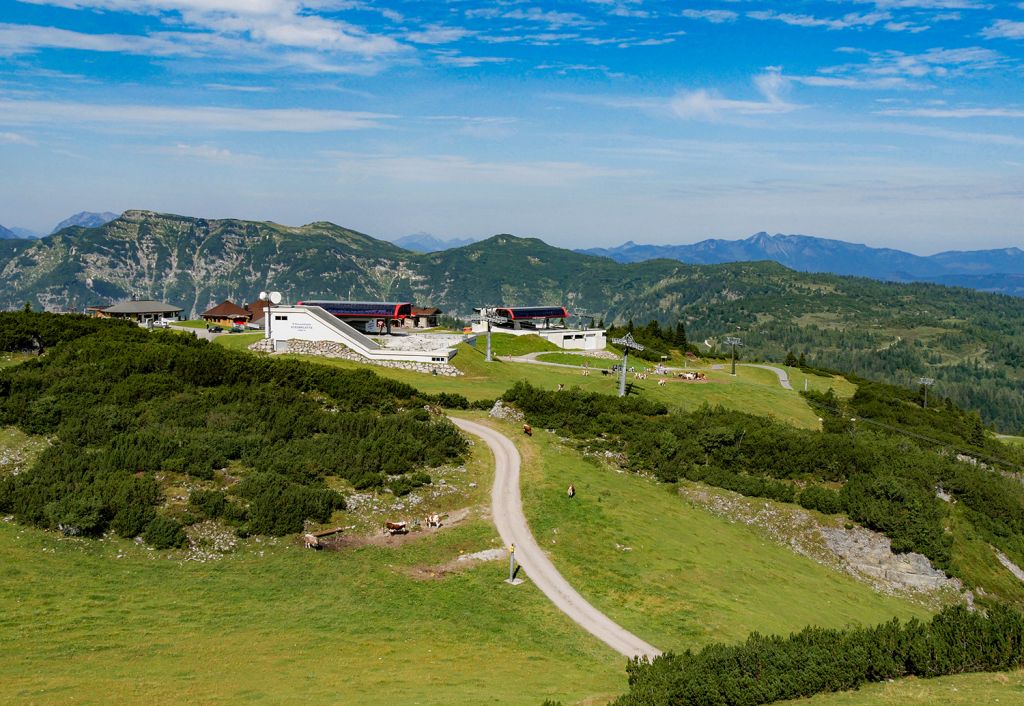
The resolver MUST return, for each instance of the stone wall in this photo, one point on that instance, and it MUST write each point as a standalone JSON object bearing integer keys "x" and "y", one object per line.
{"x": 328, "y": 349}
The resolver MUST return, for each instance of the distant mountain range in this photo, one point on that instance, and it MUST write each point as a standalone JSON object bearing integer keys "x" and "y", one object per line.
{"x": 86, "y": 219}
{"x": 987, "y": 270}
{"x": 425, "y": 242}
{"x": 969, "y": 341}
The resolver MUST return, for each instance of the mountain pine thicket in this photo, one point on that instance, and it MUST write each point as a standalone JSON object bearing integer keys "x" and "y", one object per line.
{"x": 971, "y": 342}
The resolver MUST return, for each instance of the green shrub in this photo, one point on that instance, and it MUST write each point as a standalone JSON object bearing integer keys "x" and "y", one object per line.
{"x": 815, "y": 660}
{"x": 816, "y": 497}
{"x": 164, "y": 533}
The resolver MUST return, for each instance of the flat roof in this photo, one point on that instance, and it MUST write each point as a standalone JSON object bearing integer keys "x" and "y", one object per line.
{"x": 142, "y": 306}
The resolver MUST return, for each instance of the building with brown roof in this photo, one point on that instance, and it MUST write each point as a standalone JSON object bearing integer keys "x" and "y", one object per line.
{"x": 423, "y": 317}
{"x": 227, "y": 313}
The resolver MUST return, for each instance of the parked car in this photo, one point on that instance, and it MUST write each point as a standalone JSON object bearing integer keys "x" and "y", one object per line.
{"x": 215, "y": 329}
{"x": 237, "y": 328}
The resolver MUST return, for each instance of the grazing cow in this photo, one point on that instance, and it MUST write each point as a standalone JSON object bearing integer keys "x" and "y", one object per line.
{"x": 571, "y": 492}
{"x": 661, "y": 381}
{"x": 311, "y": 541}
{"x": 433, "y": 520}
{"x": 528, "y": 430}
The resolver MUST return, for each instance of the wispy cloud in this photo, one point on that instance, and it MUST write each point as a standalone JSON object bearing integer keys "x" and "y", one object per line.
{"x": 237, "y": 28}
{"x": 452, "y": 57}
{"x": 896, "y": 69}
{"x": 705, "y": 105}
{"x": 1004, "y": 29}
{"x": 955, "y": 113}
{"x": 438, "y": 34}
{"x": 136, "y": 117}
{"x": 847, "y": 21}
{"x": 458, "y": 169}
{"x": 14, "y": 138}
{"x": 712, "y": 16}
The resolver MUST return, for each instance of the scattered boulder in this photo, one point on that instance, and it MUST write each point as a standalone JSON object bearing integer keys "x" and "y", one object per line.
{"x": 500, "y": 410}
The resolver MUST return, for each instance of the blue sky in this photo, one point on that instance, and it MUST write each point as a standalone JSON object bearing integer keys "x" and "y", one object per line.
{"x": 889, "y": 122}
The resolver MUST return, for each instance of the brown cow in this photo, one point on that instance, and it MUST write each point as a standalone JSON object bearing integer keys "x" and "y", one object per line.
{"x": 528, "y": 430}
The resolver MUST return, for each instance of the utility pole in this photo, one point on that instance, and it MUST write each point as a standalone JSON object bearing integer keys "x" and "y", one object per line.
{"x": 733, "y": 341}
{"x": 626, "y": 342}
{"x": 926, "y": 383}
{"x": 488, "y": 316}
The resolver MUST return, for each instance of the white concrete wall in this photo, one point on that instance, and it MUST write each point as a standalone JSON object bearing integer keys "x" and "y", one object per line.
{"x": 570, "y": 339}
{"x": 298, "y": 323}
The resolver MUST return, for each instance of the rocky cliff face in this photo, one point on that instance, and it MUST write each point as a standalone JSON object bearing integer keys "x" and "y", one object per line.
{"x": 195, "y": 262}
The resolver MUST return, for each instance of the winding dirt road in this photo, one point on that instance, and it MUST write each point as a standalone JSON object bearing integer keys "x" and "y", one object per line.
{"x": 507, "y": 508}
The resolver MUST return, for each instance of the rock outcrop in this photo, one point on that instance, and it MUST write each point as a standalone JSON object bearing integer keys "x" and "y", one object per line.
{"x": 329, "y": 349}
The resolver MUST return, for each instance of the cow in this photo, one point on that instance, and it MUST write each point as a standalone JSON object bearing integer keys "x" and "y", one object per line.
{"x": 311, "y": 541}
{"x": 661, "y": 381}
{"x": 528, "y": 430}
{"x": 571, "y": 491}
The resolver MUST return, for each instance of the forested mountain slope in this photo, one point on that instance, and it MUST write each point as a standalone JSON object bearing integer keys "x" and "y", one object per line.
{"x": 971, "y": 342}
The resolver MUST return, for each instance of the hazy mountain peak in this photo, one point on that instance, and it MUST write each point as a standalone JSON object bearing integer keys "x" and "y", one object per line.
{"x": 85, "y": 219}
{"x": 426, "y": 242}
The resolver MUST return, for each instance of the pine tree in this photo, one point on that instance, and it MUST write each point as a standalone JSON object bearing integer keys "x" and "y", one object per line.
{"x": 653, "y": 329}
{"x": 791, "y": 360}
{"x": 802, "y": 362}
{"x": 680, "y": 338}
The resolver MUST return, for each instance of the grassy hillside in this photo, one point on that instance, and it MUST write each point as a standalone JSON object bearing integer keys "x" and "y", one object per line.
{"x": 671, "y": 572}
{"x": 752, "y": 389}
{"x": 970, "y": 342}
{"x": 108, "y": 621}
{"x": 959, "y": 690}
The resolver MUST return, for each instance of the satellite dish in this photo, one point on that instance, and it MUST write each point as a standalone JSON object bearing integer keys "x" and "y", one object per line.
{"x": 275, "y": 297}
{"x": 263, "y": 296}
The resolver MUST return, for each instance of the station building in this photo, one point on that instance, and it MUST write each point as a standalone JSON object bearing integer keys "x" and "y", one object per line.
{"x": 548, "y": 322}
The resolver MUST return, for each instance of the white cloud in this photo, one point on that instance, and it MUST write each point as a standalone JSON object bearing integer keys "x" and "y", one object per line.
{"x": 275, "y": 23}
{"x": 134, "y": 117}
{"x": 915, "y": 69}
{"x": 704, "y": 105}
{"x": 208, "y": 152}
{"x": 451, "y": 57}
{"x": 1004, "y": 29}
{"x": 847, "y": 21}
{"x": 21, "y": 39}
{"x": 713, "y": 16}
{"x": 13, "y": 138}
{"x": 929, "y": 4}
{"x": 905, "y": 27}
{"x": 551, "y": 18}
{"x": 437, "y": 34}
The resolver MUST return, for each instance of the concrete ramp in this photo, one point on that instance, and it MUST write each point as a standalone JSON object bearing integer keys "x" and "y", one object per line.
{"x": 346, "y": 330}
{"x": 313, "y": 323}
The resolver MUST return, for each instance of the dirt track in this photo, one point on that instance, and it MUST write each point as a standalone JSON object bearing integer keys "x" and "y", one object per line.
{"x": 507, "y": 508}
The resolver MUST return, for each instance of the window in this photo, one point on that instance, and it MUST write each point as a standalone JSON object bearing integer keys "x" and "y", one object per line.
{"x": 280, "y": 317}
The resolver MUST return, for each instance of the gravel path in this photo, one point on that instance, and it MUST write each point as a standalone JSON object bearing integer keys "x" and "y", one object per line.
{"x": 783, "y": 375}
{"x": 507, "y": 508}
